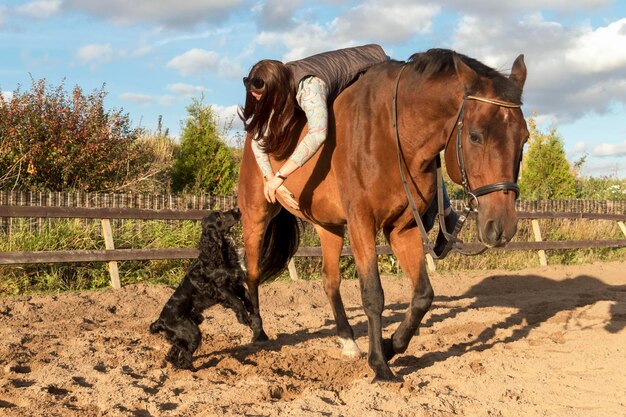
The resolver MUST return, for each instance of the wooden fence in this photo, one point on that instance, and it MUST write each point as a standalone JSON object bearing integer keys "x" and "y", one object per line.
{"x": 194, "y": 208}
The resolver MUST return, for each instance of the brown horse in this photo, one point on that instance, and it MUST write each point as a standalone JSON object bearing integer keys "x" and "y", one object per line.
{"x": 354, "y": 180}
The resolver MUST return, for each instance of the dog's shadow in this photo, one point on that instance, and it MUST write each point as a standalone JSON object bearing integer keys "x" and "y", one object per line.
{"x": 536, "y": 299}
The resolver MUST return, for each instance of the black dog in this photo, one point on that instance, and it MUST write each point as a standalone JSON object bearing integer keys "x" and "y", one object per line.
{"x": 214, "y": 278}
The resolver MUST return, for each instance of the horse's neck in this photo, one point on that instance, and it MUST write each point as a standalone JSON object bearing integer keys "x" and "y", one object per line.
{"x": 434, "y": 110}
{"x": 431, "y": 117}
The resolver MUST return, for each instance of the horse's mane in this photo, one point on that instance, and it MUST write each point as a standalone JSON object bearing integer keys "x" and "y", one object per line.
{"x": 437, "y": 62}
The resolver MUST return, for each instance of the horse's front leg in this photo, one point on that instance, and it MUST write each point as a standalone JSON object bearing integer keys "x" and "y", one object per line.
{"x": 253, "y": 229}
{"x": 406, "y": 245}
{"x": 255, "y": 215}
{"x": 331, "y": 239}
{"x": 363, "y": 242}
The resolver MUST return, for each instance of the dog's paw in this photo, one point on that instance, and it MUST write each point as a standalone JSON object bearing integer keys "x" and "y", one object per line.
{"x": 156, "y": 327}
{"x": 180, "y": 359}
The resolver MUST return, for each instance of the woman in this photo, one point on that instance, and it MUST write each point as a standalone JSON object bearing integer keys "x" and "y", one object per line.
{"x": 273, "y": 92}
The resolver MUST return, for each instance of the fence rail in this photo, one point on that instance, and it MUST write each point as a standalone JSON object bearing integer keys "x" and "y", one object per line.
{"x": 613, "y": 211}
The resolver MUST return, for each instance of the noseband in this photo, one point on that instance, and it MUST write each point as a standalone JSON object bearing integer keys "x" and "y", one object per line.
{"x": 472, "y": 194}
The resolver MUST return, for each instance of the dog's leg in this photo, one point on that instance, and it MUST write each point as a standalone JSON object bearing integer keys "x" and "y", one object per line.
{"x": 185, "y": 339}
{"x": 234, "y": 302}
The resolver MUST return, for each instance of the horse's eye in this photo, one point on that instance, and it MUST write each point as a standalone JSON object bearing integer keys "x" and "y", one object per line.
{"x": 475, "y": 137}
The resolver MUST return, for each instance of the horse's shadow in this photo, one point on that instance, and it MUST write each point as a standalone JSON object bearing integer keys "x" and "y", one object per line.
{"x": 536, "y": 299}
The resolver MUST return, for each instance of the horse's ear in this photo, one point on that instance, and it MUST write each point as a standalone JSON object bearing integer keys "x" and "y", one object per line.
{"x": 469, "y": 78}
{"x": 518, "y": 72}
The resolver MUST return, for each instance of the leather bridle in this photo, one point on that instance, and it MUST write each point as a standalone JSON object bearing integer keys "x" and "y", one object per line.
{"x": 472, "y": 194}
{"x": 485, "y": 189}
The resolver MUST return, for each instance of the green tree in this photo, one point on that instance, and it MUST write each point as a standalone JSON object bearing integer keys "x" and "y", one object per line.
{"x": 204, "y": 162}
{"x": 54, "y": 140}
{"x": 545, "y": 173}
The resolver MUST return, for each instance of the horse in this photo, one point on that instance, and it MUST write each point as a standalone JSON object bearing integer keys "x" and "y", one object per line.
{"x": 395, "y": 111}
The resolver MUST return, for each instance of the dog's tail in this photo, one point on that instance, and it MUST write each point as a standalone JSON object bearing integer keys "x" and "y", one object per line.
{"x": 280, "y": 243}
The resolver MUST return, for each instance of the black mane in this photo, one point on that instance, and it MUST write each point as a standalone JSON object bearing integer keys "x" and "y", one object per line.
{"x": 440, "y": 62}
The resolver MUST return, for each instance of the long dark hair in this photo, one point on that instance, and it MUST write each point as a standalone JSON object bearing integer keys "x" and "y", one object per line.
{"x": 273, "y": 80}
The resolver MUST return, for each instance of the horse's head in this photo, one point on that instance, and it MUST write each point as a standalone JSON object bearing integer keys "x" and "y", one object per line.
{"x": 485, "y": 155}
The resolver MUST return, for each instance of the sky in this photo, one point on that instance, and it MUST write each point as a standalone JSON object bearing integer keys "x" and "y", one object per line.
{"x": 154, "y": 57}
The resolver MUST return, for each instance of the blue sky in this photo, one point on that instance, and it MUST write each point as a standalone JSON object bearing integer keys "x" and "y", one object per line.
{"x": 154, "y": 56}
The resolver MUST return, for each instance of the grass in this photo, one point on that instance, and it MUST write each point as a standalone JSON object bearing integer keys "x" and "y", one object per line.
{"x": 66, "y": 234}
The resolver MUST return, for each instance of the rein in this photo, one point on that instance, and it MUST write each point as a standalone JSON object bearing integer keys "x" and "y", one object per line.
{"x": 453, "y": 241}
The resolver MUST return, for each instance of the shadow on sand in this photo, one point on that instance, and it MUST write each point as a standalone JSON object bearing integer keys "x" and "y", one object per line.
{"x": 535, "y": 298}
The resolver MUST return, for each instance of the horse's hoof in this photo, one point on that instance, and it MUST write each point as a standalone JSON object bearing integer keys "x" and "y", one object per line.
{"x": 350, "y": 350}
{"x": 387, "y": 379}
{"x": 261, "y": 337}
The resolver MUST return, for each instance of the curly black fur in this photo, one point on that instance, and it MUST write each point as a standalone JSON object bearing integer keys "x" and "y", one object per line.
{"x": 215, "y": 277}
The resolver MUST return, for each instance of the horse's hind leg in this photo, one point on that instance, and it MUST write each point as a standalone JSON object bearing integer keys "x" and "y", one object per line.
{"x": 331, "y": 239}
{"x": 406, "y": 245}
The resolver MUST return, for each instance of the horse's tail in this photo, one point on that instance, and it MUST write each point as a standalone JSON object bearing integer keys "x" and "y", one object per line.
{"x": 280, "y": 243}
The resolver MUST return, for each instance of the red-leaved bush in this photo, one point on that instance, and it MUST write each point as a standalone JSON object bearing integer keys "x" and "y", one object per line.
{"x": 54, "y": 140}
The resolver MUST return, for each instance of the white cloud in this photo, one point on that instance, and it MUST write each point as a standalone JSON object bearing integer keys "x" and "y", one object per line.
{"x": 609, "y": 149}
{"x": 177, "y": 14}
{"x": 579, "y": 147}
{"x": 304, "y": 40}
{"x": 167, "y": 100}
{"x": 386, "y": 21}
{"x": 499, "y": 8}
{"x": 40, "y": 9}
{"x": 186, "y": 90}
{"x": 227, "y": 116}
{"x": 136, "y": 98}
{"x": 228, "y": 120}
{"x": 277, "y": 14}
{"x": 570, "y": 72}
{"x": 194, "y": 62}
{"x": 95, "y": 54}
{"x": 372, "y": 21}
{"x": 200, "y": 62}
{"x": 600, "y": 50}
{"x": 145, "y": 99}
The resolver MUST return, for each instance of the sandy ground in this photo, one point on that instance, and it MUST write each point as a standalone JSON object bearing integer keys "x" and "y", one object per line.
{"x": 539, "y": 342}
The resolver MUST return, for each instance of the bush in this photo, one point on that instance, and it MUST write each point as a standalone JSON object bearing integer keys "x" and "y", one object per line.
{"x": 59, "y": 141}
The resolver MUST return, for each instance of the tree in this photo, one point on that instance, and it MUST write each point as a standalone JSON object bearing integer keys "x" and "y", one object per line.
{"x": 204, "y": 162}
{"x": 52, "y": 140}
{"x": 545, "y": 173}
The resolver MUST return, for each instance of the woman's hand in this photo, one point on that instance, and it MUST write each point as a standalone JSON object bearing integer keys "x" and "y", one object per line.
{"x": 274, "y": 186}
{"x": 288, "y": 197}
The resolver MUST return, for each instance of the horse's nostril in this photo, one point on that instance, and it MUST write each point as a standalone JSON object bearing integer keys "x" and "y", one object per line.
{"x": 493, "y": 232}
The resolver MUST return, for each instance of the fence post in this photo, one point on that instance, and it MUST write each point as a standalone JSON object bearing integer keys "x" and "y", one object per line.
{"x": 623, "y": 227}
{"x": 543, "y": 261}
{"x": 107, "y": 233}
{"x": 291, "y": 267}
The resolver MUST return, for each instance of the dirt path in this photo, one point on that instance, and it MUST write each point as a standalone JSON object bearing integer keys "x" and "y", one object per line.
{"x": 538, "y": 342}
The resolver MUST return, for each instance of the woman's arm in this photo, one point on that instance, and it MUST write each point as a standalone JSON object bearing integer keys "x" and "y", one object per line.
{"x": 312, "y": 96}
{"x": 262, "y": 159}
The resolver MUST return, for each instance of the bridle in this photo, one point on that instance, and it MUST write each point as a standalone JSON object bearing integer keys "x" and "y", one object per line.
{"x": 486, "y": 189}
{"x": 472, "y": 194}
